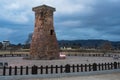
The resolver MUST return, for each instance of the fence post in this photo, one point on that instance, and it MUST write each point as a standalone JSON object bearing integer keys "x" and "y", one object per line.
{"x": 4, "y": 71}
{"x": 73, "y": 67}
{"x": 56, "y": 69}
{"x": 46, "y": 69}
{"x": 81, "y": 67}
{"x": 102, "y": 66}
{"x": 68, "y": 54}
{"x": 89, "y": 55}
{"x": 77, "y": 67}
{"x": 115, "y": 65}
{"x": 34, "y": 69}
{"x": 102, "y": 55}
{"x": 105, "y": 66}
{"x": 108, "y": 66}
{"x": 82, "y": 54}
{"x": 89, "y": 67}
{"x": 10, "y": 70}
{"x": 99, "y": 67}
{"x": 12, "y": 55}
{"x": 27, "y": 68}
{"x": 98, "y": 55}
{"x": 51, "y": 69}
{"x": 119, "y": 65}
{"x": 111, "y": 65}
{"x": 61, "y": 69}
{"x": 41, "y": 69}
{"x": 85, "y": 67}
{"x": 94, "y": 67}
{"x": 15, "y": 70}
{"x": 21, "y": 70}
{"x": 67, "y": 68}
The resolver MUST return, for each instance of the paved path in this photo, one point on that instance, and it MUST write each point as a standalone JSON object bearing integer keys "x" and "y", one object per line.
{"x": 97, "y": 75}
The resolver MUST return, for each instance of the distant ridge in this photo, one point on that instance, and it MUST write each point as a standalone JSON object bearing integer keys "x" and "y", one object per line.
{"x": 88, "y": 43}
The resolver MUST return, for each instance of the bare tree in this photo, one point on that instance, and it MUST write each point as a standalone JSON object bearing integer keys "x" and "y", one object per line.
{"x": 1, "y": 45}
{"x": 28, "y": 41}
{"x": 106, "y": 46}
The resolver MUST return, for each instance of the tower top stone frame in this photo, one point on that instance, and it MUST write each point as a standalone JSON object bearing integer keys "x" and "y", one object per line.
{"x": 39, "y": 8}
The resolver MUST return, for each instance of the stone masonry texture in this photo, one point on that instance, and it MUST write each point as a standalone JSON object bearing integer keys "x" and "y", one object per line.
{"x": 44, "y": 45}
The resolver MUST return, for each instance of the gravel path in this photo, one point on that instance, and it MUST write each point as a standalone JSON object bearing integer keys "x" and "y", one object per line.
{"x": 18, "y": 61}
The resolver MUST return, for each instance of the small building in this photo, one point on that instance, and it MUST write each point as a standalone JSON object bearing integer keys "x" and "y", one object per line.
{"x": 5, "y": 43}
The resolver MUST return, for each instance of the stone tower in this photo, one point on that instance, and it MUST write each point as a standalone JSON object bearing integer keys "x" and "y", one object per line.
{"x": 44, "y": 43}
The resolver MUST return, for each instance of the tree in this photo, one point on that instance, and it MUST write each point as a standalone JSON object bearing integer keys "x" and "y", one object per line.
{"x": 76, "y": 46}
{"x": 26, "y": 46}
{"x": 28, "y": 41}
{"x": 1, "y": 45}
{"x": 106, "y": 46}
{"x": 19, "y": 46}
{"x": 13, "y": 48}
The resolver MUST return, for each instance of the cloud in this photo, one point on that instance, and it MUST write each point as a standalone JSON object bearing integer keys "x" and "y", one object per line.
{"x": 15, "y": 12}
{"x": 5, "y": 33}
{"x": 78, "y": 19}
{"x": 102, "y": 20}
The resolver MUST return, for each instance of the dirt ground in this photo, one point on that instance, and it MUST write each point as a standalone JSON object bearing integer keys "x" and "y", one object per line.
{"x": 115, "y": 76}
{"x": 104, "y": 76}
{"x": 19, "y": 61}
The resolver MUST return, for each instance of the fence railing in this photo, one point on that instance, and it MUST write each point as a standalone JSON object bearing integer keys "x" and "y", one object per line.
{"x": 57, "y": 69}
{"x": 85, "y": 55}
{"x": 91, "y": 55}
{"x": 13, "y": 55}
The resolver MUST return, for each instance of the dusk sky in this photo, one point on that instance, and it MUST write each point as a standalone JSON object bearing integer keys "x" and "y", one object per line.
{"x": 73, "y": 19}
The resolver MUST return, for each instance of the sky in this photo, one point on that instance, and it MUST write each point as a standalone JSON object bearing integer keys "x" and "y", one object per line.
{"x": 73, "y": 19}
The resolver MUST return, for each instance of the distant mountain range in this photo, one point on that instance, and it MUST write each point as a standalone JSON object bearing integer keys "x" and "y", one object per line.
{"x": 91, "y": 43}
{"x": 88, "y": 43}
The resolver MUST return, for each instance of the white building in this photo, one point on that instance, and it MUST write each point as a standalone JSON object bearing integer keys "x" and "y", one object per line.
{"x": 5, "y": 43}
